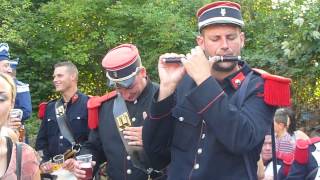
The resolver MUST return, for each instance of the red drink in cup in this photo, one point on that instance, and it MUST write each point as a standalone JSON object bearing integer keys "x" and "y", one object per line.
{"x": 88, "y": 168}
{"x": 85, "y": 164}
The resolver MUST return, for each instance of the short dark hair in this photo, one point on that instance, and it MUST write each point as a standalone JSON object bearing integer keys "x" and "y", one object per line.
{"x": 281, "y": 116}
{"x": 70, "y": 66}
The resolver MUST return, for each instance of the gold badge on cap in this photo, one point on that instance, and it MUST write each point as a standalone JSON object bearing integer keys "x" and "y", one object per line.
{"x": 223, "y": 12}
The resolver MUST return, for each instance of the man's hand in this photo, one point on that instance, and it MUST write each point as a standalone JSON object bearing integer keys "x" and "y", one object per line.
{"x": 73, "y": 166}
{"x": 69, "y": 164}
{"x": 133, "y": 135}
{"x": 197, "y": 65}
{"x": 170, "y": 75}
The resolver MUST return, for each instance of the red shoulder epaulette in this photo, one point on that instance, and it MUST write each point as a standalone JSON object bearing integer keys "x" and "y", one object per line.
{"x": 302, "y": 151}
{"x": 287, "y": 159}
{"x": 276, "y": 89}
{"x": 93, "y": 108}
{"x": 42, "y": 109}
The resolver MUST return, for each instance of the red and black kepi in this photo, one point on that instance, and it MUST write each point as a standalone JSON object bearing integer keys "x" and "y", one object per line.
{"x": 122, "y": 64}
{"x": 220, "y": 12}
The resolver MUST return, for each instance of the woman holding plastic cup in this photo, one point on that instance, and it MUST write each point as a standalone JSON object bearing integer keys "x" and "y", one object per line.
{"x": 29, "y": 161}
{"x": 15, "y": 119}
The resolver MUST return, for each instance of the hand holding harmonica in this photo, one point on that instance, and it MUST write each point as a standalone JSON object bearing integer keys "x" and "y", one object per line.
{"x": 211, "y": 58}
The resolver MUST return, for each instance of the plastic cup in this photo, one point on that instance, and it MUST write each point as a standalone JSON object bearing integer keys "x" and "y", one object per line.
{"x": 85, "y": 164}
{"x": 58, "y": 160}
{"x": 16, "y": 113}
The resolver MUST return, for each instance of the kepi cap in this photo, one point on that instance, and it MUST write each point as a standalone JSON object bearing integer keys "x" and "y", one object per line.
{"x": 122, "y": 64}
{"x": 4, "y": 51}
{"x": 220, "y": 12}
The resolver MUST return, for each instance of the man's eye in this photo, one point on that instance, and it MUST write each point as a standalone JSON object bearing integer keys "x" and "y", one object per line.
{"x": 232, "y": 37}
{"x": 214, "y": 39}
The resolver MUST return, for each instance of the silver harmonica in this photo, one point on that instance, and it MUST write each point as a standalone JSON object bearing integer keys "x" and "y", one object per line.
{"x": 212, "y": 58}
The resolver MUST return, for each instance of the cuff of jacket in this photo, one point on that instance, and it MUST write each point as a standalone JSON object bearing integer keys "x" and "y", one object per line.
{"x": 162, "y": 108}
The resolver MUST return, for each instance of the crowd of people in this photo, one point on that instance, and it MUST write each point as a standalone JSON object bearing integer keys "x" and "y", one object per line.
{"x": 211, "y": 116}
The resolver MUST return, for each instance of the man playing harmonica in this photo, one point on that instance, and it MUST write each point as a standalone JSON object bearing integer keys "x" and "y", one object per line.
{"x": 209, "y": 118}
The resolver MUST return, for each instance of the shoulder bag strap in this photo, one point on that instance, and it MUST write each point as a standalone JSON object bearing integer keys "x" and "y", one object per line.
{"x": 122, "y": 119}
{"x": 62, "y": 122}
{"x": 242, "y": 96}
{"x": 19, "y": 160}
{"x": 9, "y": 147}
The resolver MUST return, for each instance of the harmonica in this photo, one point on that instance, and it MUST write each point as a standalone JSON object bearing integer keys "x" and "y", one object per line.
{"x": 212, "y": 58}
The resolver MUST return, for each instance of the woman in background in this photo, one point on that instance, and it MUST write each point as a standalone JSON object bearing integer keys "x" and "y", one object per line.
{"x": 292, "y": 129}
{"x": 29, "y": 162}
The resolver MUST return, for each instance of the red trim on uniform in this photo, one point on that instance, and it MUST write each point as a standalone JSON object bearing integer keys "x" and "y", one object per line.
{"x": 74, "y": 98}
{"x": 260, "y": 94}
{"x": 216, "y": 4}
{"x": 42, "y": 109}
{"x": 258, "y": 85}
{"x": 239, "y": 77}
{"x": 210, "y": 103}
{"x": 159, "y": 117}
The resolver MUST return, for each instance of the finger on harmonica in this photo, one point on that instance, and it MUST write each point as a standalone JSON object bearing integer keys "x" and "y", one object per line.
{"x": 172, "y": 59}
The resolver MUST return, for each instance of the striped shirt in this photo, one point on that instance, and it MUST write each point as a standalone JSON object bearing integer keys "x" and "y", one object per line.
{"x": 285, "y": 144}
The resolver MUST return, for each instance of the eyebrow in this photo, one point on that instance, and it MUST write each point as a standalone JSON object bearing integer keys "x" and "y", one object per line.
{"x": 3, "y": 93}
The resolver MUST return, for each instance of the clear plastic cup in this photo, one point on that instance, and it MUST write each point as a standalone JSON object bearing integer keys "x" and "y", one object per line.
{"x": 86, "y": 165}
{"x": 58, "y": 160}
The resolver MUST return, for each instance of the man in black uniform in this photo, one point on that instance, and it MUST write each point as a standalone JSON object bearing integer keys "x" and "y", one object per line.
{"x": 209, "y": 118}
{"x": 116, "y": 134}
{"x": 65, "y": 121}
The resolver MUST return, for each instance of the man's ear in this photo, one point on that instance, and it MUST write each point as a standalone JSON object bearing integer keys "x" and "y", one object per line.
{"x": 73, "y": 77}
{"x": 242, "y": 39}
{"x": 200, "y": 41}
{"x": 143, "y": 72}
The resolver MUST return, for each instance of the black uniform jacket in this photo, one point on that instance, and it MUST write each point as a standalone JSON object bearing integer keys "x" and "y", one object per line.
{"x": 105, "y": 142}
{"x": 49, "y": 138}
{"x": 204, "y": 134}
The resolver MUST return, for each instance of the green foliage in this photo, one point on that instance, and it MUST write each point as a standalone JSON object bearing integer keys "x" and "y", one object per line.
{"x": 281, "y": 37}
{"x": 32, "y": 126}
{"x": 284, "y": 39}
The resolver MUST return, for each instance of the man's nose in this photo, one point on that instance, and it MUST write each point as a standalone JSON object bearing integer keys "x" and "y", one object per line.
{"x": 9, "y": 69}
{"x": 269, "y": 147}
{"x": 224, "y": 43}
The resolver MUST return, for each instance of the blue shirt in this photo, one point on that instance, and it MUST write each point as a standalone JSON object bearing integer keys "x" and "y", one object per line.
{"x": 23, "y": 99}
